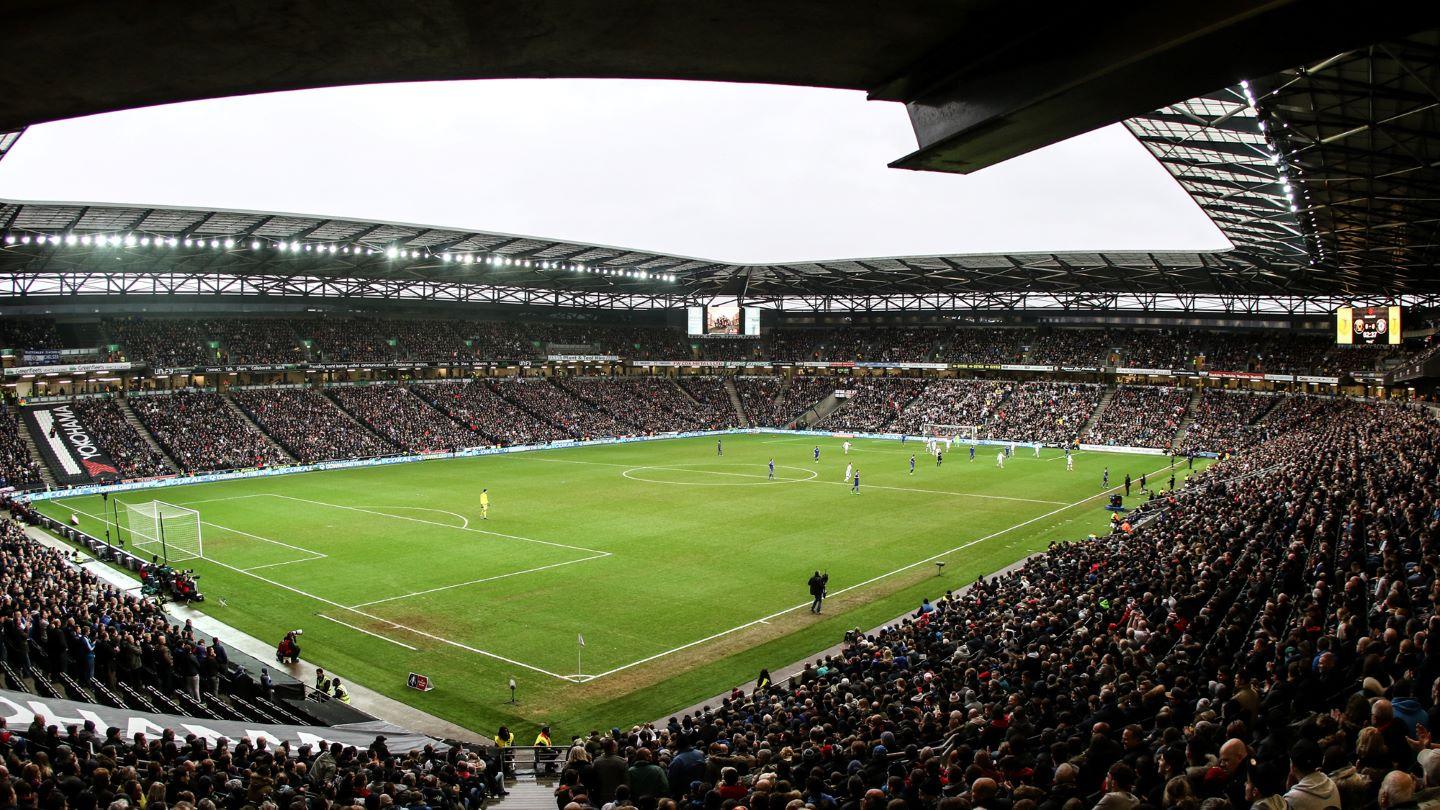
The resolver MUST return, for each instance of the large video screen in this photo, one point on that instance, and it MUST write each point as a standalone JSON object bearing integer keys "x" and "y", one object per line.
{"x": 1367, "y": 325}
{"x": 722, "y": 320}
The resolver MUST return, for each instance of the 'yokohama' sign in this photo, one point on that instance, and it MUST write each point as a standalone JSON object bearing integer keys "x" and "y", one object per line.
{"x": 68, "y": 446}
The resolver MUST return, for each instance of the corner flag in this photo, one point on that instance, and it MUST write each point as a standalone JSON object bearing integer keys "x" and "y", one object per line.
{"x": 581, "y": 638}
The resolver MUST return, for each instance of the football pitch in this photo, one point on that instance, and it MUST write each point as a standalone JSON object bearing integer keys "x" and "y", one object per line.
{"x": 683, "y": 570}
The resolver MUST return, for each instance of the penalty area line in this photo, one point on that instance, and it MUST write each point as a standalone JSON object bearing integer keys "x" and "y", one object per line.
{"x": 482, "y": 579}
{"x": 437, "y": 523}
{"x": 374, "y": 618}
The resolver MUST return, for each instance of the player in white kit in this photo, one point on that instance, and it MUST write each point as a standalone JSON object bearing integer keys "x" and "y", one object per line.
{"x": 1000, "y": 459}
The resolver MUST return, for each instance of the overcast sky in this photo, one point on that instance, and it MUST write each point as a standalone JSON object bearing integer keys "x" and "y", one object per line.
{"x": 742, "y": 173}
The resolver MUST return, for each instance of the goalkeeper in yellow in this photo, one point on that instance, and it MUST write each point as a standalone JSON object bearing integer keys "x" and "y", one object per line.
{"x": 484, "y": 504}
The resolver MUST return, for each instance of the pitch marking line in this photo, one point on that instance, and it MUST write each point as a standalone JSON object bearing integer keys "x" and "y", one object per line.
{"x": 482, "y": 579}
{"x": 779, "y": 613}
{"x": 464, "y": 521}
{"x": 686, "y": 468}
{"x": 217, "y": 500}
{"x": 366, "y": 632}
{"x": 287, "y": 562}
{"x": 814, "y": 479}
{"x": 442, "y": 525}
{"x": 375, "y": 618}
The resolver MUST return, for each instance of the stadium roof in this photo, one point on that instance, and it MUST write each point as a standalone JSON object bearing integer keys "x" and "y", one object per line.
{"x": 1323, "y": 176}
{"x": 983, "y": 80}
{"x": 1327, "y": 174}
{"x": 61, "y": 249}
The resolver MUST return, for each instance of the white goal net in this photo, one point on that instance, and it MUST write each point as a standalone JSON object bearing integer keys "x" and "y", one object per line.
{"x": 958, "y": 433}
{"x": 164, "y": 530}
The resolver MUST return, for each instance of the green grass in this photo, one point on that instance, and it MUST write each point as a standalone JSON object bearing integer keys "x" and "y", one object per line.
{"x": 643, "y": 548}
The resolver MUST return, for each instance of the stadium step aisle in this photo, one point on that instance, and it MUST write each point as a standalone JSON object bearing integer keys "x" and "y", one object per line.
{"x": 143, "y": 432}
{"x": 735, "y": 402}
{"x": 527, "y": 793}
{"x": 240, "y": 412}
{"x": 819, "y": 412}
{"x": 1190, "y": 408}
{"x": 1099, "y": 409}
{"x": 46, "y": 474}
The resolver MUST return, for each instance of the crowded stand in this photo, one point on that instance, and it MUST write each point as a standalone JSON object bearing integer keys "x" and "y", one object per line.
{"x": 649, "y": 404}
{"x": 1076, "y": 347}
{"x": 981, "y": 346}
{"x": 187, "y": 343}
{"x": 1140, "y": 416}
{"x": 711, "y": 393}
{"x": 1221, "y": 420}
{"x": 732, "y": 349}
{"x": 28, "y": 333}
{"x": 108, "y": 428}
{"x": 576, "y": 417}
{"x": 476, "y": 404}
{"x": 655, "y": 343}
{"x": 350, "y": 340}
{"x": 402, "y": 419}
{"x": 202, "y": 432}
{"x": 164, "y": 342}
{"x": 259, "y": 341}
{"x": 874, "y": 404}
{"x": 18, "y": 468}
{"x": 769, "y": 402}
{"x": 1052, "y": 413}
{"x": 308, "y": 424}
{"x": 951, "y": 402}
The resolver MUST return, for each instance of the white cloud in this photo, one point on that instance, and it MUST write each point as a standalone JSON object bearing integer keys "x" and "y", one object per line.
{"x": 744, "y": 173}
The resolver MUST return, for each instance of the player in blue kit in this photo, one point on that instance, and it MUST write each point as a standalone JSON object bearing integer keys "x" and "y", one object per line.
{"x": 855, "y": 482}
{"x": 719, "y": 447}
{"x": 817, "y": 454}
{"x": 912, "y": 463}
{"x": 972, "y": 452}
{"x": 772, "y": 469}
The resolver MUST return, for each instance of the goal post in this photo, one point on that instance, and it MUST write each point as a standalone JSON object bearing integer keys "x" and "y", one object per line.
{"x": 959, "y": 433}
{"x": 163, "y": 530}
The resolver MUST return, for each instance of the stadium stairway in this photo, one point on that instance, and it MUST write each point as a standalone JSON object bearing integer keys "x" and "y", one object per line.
{"x": 240, "y": 412}
{"x": 527, "y": 792}
{"x": 46, "y": 474}
{"x": 1188, "y": 419}
{"x": 735, "y": 402}
{"x": 360, "y": 424}
{"x": 818, "y": 412}
{"x": 1099, "y": 409}
{"x": 144, "y": 433}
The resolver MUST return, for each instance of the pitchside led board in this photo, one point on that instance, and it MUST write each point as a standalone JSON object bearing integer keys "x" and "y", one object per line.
{"x": 723, "y": 320}
{"x": 1367, "y": 325}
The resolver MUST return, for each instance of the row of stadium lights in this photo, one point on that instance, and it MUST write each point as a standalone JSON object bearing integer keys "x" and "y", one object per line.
{"x": 1278, "y": 160}
{"x": 131, "y": 240}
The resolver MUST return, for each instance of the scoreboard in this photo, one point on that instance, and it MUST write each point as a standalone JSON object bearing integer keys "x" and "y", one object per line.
{"x": 1367, "y": 325}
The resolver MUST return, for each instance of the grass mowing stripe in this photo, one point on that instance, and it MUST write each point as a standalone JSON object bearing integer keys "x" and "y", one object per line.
{"x": 872, "y": 580}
